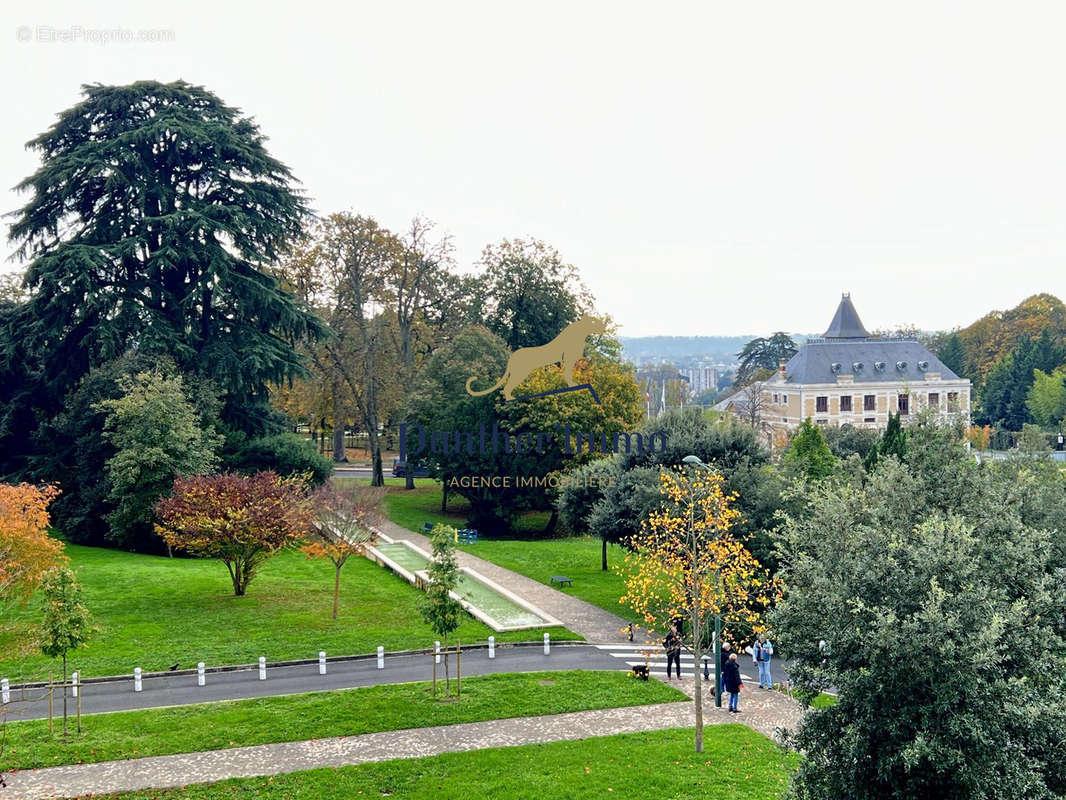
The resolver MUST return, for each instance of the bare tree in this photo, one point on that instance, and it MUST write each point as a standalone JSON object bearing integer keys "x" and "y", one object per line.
{"x": 750, "y": 403}
{"x": 413, "y": 282}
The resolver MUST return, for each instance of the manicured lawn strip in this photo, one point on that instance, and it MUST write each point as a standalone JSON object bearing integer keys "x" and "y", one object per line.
{"x": 154, "y": 611}
{"x": 411, "y": 508}
{"x": 212, "y": 726}
{"x": 823, "y": 700}
{"x": 578, "y": 557}
{"x": 737, "y": 763}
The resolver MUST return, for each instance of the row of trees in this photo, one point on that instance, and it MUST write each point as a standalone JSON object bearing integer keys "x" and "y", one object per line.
{"x": 181, "y": 306}
{"x": 394, "y": 302}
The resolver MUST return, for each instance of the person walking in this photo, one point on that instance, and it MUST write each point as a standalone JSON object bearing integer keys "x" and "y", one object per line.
{"x": 761, "y": 654}
{"x": 731, "y": 678}
{"x": 672, "y": 643}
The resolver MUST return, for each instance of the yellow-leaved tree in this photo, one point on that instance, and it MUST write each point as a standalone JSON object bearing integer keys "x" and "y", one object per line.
{"x": 27, "y": 552}
{"x": 686, "y": 564}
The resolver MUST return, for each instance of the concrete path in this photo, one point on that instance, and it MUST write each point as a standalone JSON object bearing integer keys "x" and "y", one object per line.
{"x": 592, "y": 622}
{"x": 273, "y": 759}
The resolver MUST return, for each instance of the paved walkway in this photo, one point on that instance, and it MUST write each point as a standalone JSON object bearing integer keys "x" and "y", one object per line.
{"x": 758, "y": 710}
{"x": 592, "y": 622}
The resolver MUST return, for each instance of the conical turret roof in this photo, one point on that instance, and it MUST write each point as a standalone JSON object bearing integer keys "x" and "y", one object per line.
{"x": 846, "y": 323}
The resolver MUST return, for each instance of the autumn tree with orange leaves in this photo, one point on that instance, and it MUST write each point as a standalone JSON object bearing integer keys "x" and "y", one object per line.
{"x": 686, "y": 563}
{"x": 241, "y": 520}
{"x": 27, "y": 552}
{"x": 342, "y": 525}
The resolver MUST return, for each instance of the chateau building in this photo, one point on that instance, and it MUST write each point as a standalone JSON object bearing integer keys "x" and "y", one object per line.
{"x": 849, "y": 376}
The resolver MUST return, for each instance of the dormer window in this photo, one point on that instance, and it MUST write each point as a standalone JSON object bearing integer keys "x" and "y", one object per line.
{"x": 857, "y": 366}
{"x": 835, "y": 367}
{"x": 879, "y": 366}
{"x": 901, "y": 366}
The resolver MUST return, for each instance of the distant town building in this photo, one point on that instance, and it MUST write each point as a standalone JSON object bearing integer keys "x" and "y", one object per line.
{"x": 849, "y": 376}
{"x": 700, "y": 378}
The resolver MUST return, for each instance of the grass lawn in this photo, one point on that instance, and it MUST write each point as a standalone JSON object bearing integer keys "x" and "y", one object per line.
{"x": 154, "y": 611}
{"x": 577, "y": 557}
{"x": 422, "y": 504}
{"x": 737, "y": 763}
{"x": 212, "y": 726}
{"x": 823, "y": 700}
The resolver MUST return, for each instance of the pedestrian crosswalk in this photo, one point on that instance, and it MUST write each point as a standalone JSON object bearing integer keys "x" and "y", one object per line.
{"x": 632, "y": 655}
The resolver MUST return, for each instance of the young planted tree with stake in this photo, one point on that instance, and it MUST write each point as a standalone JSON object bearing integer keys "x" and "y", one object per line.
{"x": 439, "y": 608}
{"x": 67, "y": 624}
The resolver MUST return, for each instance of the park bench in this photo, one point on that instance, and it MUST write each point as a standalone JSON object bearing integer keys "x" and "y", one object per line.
{"x": 467, "y": 536}
{"x": 427, "y": 527}
{"x": 562, "y": 580}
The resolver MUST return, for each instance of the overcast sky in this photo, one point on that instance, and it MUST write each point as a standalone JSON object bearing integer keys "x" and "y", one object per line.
{"x": 713, "y": 168}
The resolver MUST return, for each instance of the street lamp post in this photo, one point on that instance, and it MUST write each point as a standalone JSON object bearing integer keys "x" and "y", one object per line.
{"x": 696, "y": 462}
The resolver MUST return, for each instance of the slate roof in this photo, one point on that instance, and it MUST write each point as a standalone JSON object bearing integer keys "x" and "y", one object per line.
{"x": 813, "y": 363}
{"x": 846, "y": 323}
{"x": 847, "y": 345}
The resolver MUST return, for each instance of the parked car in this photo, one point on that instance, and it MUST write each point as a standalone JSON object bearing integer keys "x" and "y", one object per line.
{"x": 399, "y": 469}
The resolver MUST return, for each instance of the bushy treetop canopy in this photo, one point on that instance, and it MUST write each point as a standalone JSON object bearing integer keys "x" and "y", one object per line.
{"x": 152, "y": 215}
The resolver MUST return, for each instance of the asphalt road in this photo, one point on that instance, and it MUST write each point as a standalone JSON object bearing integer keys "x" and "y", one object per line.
{"x": 171, "y": 690}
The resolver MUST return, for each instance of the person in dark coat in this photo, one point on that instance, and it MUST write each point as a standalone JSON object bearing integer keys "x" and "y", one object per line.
{"x": 731, "y": 678}
{"x": 672, "y": 644}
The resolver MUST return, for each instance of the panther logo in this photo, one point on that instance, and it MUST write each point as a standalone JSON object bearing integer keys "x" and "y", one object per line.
{"x": 565, "y": 349}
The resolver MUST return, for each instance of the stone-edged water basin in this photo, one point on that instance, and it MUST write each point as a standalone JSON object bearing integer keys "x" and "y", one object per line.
{"x": 494, "y": 605}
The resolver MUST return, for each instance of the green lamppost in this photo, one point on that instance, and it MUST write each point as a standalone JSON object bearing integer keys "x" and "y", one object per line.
{"x": 694, "y": 461}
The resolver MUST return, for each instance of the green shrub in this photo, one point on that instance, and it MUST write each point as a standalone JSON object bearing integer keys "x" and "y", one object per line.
{"x": 286, "y": 454}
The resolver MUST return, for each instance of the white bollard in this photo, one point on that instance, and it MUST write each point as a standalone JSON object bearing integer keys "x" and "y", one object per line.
{"x": 201, "y": 674}
{"x": 381, "y": 657}
{"x": 74, "y": 683}
{"x": 5, "y": 691}
{"x": 436, "y": 652}
{"x": 547, "y": 644}
{"x": 492, "y": 647}
{"x": 262, "y": 668}
{"x": 136, "y": 679}
{"x": 321, "y": 662}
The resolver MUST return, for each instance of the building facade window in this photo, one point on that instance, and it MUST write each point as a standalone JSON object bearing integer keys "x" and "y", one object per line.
{"x": 845, "y": 403}
{"x": 904, "y": 404}
{"x": 821, "y": 404}
{"x": 869, "y": 402}
{"x": 953, "y": 401}
{"x": 934, "y": 399}
{"x": 775, "y": 397}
